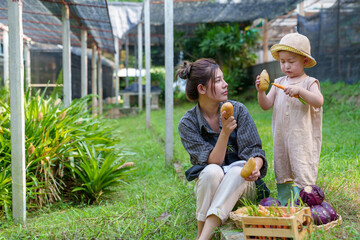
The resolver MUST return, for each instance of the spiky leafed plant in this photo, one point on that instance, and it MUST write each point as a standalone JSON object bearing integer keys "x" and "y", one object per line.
{"x": 97, "y": 171}
{"x": 52, "y": 133}
{"x": 5, "y": 191}
{"x": 50, "y": 136}
{"x": 5, "y": 157}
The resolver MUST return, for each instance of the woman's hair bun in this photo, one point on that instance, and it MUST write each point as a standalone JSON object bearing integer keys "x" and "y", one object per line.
{"x": 184, "y": 70}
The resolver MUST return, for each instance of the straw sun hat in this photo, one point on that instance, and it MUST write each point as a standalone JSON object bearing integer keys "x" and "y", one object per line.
{"x": 296, "y": 43}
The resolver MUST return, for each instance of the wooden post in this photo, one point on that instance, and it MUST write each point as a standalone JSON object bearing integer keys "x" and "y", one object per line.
{"x": 84, "y": 64}
{"x": 6, "y": 58}
{"x": 27, "y": 64}
{"x": 147, "y": 60}
{"x": 99, "y": 79}
{"x": 16, "y": 73}
{"x": 169, "y": 80}
{"x": 140, "y": 53}
{"x": 117, "y": 55}
{"x": 127, "y": 60}
{"x": 265, "y": 40}
{"x": 66, "y": 58}
{"x": 93, "y": 80}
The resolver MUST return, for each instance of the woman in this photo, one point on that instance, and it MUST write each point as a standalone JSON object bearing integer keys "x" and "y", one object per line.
{"x": 218, "y": 147}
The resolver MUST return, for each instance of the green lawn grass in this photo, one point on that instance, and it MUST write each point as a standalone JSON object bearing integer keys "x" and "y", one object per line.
{"x": 158, "y": 203}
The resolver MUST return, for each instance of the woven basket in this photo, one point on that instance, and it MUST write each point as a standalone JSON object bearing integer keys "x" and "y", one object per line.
{"x": 329, "y": 225}
{"x": 237, "y": 215}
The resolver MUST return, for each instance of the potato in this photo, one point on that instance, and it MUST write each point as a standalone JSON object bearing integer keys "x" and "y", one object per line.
{"x": 264, "y": 80}
{"x": 243, "y": 211}
{"x": 228, "y": 108}
{"x": 248, "y": 168}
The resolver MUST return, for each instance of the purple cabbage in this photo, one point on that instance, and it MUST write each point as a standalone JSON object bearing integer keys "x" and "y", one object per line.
{"x": 267, "y": 202}
{"x": 330, "y": 210}
{"x": 320, "y": 215}
{"x": 312, "y": 195}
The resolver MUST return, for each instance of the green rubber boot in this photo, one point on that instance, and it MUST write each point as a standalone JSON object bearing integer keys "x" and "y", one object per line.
{"x": 287, "y": 191}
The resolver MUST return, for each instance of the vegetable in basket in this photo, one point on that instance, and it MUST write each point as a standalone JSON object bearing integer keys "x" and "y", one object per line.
{"x": 330, "y": 210}
{"x": 320, "y": 215}
{"x": 270, "y": 202}
{"x": 312, "y": 195}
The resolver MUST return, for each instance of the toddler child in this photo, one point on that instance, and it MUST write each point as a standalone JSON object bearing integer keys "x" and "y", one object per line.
{"x": 297, "y": 127}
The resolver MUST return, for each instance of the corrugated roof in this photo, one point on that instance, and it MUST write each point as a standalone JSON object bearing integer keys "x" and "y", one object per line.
{"x": 207, "y": 11}
{"x": 42, "y": 21}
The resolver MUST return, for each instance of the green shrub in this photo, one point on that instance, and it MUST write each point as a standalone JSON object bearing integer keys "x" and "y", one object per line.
{"x": 158, "y": 79}
{"x": 5, "y": 190}
{"x": 232, "y": 45}
{"x": 97, "y": 171}
{"x": 52, "y": 136}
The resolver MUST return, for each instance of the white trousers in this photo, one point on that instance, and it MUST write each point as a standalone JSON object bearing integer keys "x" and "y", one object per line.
{"x": 217, "y": 193}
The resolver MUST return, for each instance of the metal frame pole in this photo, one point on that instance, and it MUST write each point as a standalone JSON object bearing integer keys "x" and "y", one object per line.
{"x": 100, "y": 85}
{"x": 147, "y": 59}
{"x": 169, "y": 80}
{"x": 66, "y": 58}
{"x": 17, "y": 111}
{"x": 84, "y": 64}
{"x": 127, "y": 60}
{"x": 117, "y": 55}
{"x": 93, "y": 80}
{"x": 140, "y": 53}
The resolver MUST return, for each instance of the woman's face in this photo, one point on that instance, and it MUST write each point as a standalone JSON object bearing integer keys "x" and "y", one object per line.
{"x": 218, "y": 91}
{"x": 292, "y": 64}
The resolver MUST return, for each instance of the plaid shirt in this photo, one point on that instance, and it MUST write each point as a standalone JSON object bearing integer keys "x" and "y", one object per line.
{"x": 199, "y": 139}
